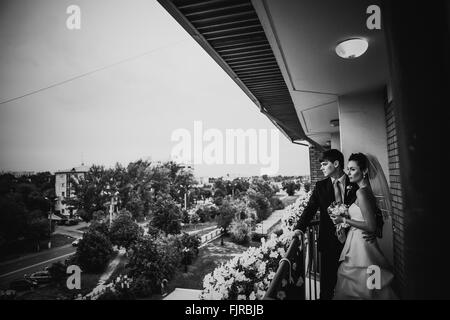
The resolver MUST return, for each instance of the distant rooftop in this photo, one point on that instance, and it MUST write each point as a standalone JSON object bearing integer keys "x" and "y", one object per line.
{"x": 79, "y": 169}
{"x": 18, "y": 174}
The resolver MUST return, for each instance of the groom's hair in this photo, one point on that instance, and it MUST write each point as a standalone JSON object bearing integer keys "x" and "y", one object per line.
{"x": 333, "y": 155}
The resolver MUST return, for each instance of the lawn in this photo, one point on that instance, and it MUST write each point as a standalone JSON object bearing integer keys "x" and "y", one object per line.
{"x": 203, "y": 232}
{"x": 198, "y": 226}
{"x": 210, "y": 257}
{"x": 289, "y": 200}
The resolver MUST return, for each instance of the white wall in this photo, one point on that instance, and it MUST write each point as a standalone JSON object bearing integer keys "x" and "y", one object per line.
{"x": 362, "y": 125}
{"x": 335, "y": 140}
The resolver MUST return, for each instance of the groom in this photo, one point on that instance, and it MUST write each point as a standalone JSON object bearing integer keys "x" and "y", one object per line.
{"x": 335, "y": 187}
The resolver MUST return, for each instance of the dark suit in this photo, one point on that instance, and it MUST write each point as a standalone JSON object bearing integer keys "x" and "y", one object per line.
{"x": 328, "y": 244}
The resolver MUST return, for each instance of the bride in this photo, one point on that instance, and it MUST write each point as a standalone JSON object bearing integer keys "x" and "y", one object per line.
{"x": 360, "y": 258}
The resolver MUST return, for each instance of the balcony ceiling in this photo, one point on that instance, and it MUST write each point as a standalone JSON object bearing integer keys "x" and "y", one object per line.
{"x": 304, "y": 35}
{"x": 281, "y": 53}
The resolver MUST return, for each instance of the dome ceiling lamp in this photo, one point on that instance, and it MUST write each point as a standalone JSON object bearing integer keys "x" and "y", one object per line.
{"x": 352, "y": 48}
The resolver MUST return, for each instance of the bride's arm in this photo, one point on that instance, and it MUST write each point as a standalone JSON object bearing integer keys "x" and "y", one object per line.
{"x": 368, "y": 211}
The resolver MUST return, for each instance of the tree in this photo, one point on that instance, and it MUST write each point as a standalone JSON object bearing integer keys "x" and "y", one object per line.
{"x": 13, "y": 219}
{"x": 98, "y": 215}
{"x": 83, "y": 214}
{"x": 154, "y": 260}
{"x": 184, "y": 216}
{"x": 101, "y": 227}
{"x": 124, "y": 231}
{"x": 94, "y": 252}
{"x": 166, "y": 215}
{"x": 58, "y": 272}
{"x": 192, "y": 242}
{"x": 37, "y": 227}
{"x": 226, "y": 215}
{"x": 260, "y": 203}
{"x": 241, "y": 231}
{"x": 90, "y": 190}
{"x": 290, "y": 187}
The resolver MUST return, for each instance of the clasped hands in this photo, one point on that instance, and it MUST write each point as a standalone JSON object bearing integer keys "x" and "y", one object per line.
{"x": 368, "y": 236}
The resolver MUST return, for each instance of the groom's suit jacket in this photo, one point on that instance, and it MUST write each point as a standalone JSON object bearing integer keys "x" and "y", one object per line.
{"x": 321, "y": 198}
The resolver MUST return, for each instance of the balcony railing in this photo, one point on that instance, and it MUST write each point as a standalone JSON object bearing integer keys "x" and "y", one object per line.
{"x": 297, "y": 276}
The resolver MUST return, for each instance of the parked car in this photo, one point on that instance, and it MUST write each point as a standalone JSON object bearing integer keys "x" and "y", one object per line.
{"x": 22, "y": 284}
{"x": 7, "y": 294}
{"x": 76, "y": 242}
{"x": 39, "y": 277}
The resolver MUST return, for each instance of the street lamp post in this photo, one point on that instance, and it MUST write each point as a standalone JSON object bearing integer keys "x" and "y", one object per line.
{"x": 111, "y": 206}
{"x": 50, "y": 221}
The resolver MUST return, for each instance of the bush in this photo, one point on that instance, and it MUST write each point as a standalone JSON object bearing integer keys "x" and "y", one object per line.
{"x": 218, "y": 201}
{"x": 194, "y": 218}
{"x": 141, "y": 287}
{"x": 154, "y": 232}
{"x": 94, "y": 252}
{"x": 240, "y": 232}
{"x": 290, "y": 187}
{"x": 212, "y": 211}
{"x": 121, "y": 290}
{"x": 58, "y": 272}
{"x": 307, "y": 186}
{"x": 98, "y": 215}
{"x": 203, "y": 215}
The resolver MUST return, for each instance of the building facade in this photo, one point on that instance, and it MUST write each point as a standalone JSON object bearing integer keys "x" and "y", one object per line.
{"x": 64, "y": 190}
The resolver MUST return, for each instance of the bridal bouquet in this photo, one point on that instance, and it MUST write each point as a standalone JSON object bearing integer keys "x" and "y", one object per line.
{"x": 339, "y": 209}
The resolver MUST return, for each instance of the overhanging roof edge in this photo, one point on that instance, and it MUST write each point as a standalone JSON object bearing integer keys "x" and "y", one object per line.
{"x": 187, "y": 25}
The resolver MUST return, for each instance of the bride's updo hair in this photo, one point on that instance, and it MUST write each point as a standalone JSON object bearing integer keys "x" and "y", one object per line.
{"x": 360, "y": 159}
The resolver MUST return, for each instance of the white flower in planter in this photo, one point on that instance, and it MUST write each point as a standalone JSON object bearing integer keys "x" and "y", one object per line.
{"x": 274, "y": 254}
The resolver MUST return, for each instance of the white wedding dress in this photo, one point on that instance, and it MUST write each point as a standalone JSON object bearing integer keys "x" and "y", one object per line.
{"x": 357, "y": 255}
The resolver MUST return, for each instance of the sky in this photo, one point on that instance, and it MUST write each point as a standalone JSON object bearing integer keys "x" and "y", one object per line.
{"x": 125, "y": 82}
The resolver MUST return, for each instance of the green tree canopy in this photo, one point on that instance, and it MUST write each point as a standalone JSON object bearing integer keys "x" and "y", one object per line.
{"x": 124, "y": 231}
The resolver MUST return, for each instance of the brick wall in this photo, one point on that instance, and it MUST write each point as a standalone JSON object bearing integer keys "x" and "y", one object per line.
{"x": 314, "y": 165}
{"x": 397, "y": 199}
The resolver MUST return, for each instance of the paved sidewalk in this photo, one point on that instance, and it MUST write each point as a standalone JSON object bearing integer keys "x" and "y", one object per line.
{"x": 106, "y": 275}
{"x": 111, "y": 267}
{"x": 184, "y": 294}
{"x": 71, "y": 231}
{"x": 32, "y": 255}
{"x": 265, "y": 226}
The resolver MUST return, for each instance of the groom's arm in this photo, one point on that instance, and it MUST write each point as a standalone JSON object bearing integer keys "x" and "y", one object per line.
{"x": 309, "y": 211}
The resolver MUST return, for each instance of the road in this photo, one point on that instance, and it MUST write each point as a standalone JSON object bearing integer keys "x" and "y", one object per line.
{"x": 17, "y": 268}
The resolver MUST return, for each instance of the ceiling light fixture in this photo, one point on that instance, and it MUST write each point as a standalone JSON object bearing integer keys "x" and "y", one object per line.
{"x": 352, "y": 48}
{"x": 334, "y": 123}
